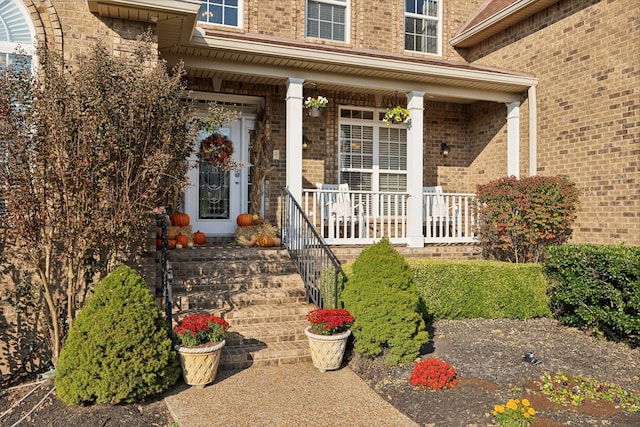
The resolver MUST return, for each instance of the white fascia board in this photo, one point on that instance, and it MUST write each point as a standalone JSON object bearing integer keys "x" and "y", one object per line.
{"x": 170, "y": 6}
{"x": 497, "y": 18}
{"x": 338, "y": 58}
{"x": 341, "y": 79}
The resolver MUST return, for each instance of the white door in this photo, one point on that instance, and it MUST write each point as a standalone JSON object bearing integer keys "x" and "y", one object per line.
{"x": 214, "y": 197}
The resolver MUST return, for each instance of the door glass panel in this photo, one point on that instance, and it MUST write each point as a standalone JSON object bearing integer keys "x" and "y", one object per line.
{"x": 214, "y": 192}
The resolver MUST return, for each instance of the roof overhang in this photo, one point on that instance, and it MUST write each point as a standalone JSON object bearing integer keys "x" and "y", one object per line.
{"x": 175, "y": 19}
{"x": 476, "y": 30}
{"x": 223, "y": 56}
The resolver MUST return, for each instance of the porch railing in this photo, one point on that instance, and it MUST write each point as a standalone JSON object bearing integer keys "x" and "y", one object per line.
{"x": 449, "y": 217}
{"x": 319, "y": 268}
{"x": 364, "y": 217}
{"x": 357, "y": 217}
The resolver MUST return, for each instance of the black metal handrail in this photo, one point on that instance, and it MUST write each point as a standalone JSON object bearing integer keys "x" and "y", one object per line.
{"x": 161, "y": 221}
{"x": 318, "y": 266}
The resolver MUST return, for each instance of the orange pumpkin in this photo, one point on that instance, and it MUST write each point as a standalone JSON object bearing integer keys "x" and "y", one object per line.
{"x": 199, "y": 238}
{"x": 182, "y": 239}
{"x": 264, "y": 241}
{"x": 180, "y": 219}
{"x": 244, "y": 220}
{"x": 172, "y": 244}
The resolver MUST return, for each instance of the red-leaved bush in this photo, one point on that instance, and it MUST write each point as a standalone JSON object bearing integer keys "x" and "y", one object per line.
{"x": 433, "y": 374}
{"x": 329, "y": 321}
{"x": 518, "y": 218}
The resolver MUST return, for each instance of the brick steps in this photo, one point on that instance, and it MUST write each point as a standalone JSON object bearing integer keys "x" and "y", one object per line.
{"x": 256, "y": 290}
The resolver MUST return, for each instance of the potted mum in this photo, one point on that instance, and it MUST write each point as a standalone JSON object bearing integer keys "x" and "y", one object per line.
{"x": 328, "y": 333}
{"x": 396, "y": 115}
{"x": 201, "y": 338}
{"x": 316, "y": 105}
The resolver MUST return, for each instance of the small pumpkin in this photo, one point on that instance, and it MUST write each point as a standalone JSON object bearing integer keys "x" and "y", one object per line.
{"x": 264, "y": 241}
{"x": 180, "y": 219}
{"x": 158, "y": 243}
{"x": 172, "y": 244}
{"x": 244, "y": 220}
{"x": 199, "y": 238}
{"x": 182, "y": 239}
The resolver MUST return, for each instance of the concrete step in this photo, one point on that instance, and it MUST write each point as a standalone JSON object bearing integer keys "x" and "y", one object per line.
{"x": 267, "y": 333}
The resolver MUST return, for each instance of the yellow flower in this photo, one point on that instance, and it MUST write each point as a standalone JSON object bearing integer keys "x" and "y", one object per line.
{"x": 531, "y": 411}
{"x": 526, "y": 415}
{"x": 525, "y": 402}
{"x": 512, "y": 404}
{"x": 499, "y": 409}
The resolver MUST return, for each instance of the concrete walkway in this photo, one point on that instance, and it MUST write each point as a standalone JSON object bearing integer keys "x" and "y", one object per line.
{"x": 280, "y": 396}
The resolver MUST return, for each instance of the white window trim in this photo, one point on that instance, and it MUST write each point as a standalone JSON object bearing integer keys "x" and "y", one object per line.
{"x": 377, "y": 125}
{"x": 347, "y": 19}
{"x": 420, "y": 16}
{"x": 9, "y": 47}
{"x": 240, "y": 18}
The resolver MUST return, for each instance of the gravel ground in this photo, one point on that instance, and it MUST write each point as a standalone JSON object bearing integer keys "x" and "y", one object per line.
{"x": 488, "y": 357}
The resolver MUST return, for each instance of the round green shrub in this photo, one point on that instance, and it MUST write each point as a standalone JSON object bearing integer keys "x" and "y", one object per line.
{"x": 119, "y": 348}
{"x": 382, "y": 297}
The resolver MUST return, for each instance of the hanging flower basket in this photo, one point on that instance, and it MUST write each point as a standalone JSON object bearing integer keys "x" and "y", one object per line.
{"x": 396, "y": 115}
{"x": 316, "y": 105}
{"x": 217, "y": 150}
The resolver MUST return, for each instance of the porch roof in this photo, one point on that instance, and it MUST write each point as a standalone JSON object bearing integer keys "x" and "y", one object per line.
{"x": 256, "y": 58}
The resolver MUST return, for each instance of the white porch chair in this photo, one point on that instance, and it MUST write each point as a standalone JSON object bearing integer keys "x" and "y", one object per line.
{"x": 438, "y": 215}
{"x": 338, "y": 209}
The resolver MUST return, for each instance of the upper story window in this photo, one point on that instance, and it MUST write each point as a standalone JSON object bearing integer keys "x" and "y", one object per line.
{"x": 16, "y": 32}
{"x": 423, "y": 25}
{"x": 221, "y": 12}
{"x": 327, "y": 19}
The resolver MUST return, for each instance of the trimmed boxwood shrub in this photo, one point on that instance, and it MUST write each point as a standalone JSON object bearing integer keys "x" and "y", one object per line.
{"x": 382, "y": 297}
{"x": 119, "y": 348}
{"x": 461, "y": 289}
{"x": 596, "y": 287}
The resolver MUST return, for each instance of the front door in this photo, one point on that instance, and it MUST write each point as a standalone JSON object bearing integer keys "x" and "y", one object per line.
{"x": 214, "y": 197}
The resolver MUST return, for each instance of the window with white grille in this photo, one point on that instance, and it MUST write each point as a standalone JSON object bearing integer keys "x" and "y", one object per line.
{"x": 372, "y": 156}
{"x": 423, "y": 26}
{"x": 221, "y": 12}
{"x": 327, "y": 19}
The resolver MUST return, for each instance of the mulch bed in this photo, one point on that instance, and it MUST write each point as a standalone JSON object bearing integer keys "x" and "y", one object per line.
{"x": 488, "y": 357}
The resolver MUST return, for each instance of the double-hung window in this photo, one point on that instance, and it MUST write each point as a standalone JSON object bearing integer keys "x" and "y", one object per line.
{"x": 221, "y": 12}
{"x": 423, "y": 26}
{"x": 327, "y": 19}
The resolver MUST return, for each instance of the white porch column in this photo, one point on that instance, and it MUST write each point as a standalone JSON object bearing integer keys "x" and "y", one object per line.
{"x": 533, "y": 132}
{"x": 294, "y": 137}
{"x": 513, "y": 139}
{"x": 415, "y": 150}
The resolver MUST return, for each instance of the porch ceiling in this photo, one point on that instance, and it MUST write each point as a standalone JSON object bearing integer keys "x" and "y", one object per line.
{"x": 268, "y": 60}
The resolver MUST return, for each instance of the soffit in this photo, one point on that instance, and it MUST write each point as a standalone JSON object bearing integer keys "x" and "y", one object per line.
{"x": 175, "y": 19}
{"x": 495, "y": 16}
{"x": 263, "y": 60}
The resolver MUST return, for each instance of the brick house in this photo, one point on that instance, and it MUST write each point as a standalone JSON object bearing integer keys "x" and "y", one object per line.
{"x": 494, "y": 88}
